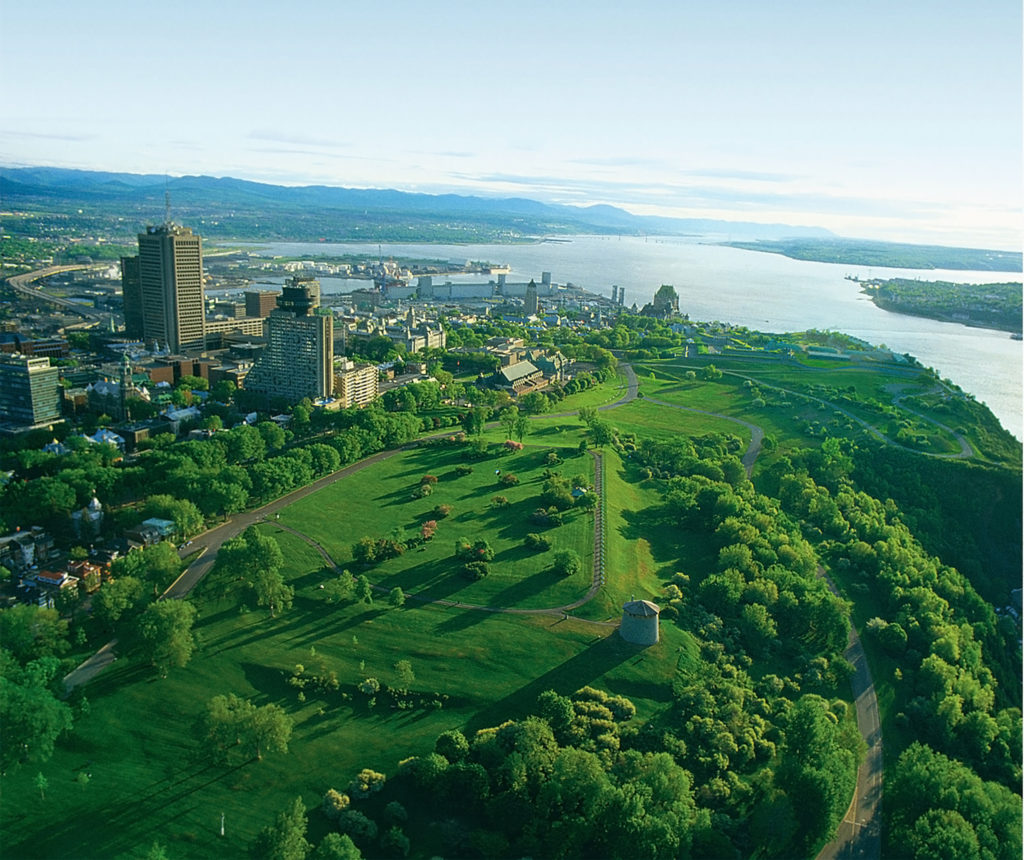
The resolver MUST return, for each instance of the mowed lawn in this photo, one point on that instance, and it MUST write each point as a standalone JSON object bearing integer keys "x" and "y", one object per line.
{"x": 149, "y": 778}
{"x": 378, "y": 501}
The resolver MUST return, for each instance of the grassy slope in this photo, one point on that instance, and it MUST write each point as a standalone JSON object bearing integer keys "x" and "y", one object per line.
{"x": 137, "y": 740}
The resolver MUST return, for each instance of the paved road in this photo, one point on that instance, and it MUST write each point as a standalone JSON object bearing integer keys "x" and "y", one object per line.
{"x": 21, "y": 283}
{"x": 860, "y": 832}
{"x": 207, "y": 544}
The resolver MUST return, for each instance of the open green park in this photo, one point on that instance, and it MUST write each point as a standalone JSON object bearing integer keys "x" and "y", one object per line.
{"x": 458, "y": 653}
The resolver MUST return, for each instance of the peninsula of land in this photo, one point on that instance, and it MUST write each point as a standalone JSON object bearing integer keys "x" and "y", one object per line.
{"x": 896, "y": 255}
{"x": 996, "y": 306}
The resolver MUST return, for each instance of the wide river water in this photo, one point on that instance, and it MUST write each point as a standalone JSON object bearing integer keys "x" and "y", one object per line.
{"x": 762, "y": 291}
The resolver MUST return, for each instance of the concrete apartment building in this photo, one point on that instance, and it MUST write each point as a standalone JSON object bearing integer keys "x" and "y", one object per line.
{"x": 299, "y": 357}
{"x": 355, "y": 385}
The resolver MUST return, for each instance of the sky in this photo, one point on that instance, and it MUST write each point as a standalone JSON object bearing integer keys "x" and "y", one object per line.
{"x": 888, "y": 120}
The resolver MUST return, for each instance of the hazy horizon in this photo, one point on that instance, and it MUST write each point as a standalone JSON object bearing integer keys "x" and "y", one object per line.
{"x": 898, "y": 123}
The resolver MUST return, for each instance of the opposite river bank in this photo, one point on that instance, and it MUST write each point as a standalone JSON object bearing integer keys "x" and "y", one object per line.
{"x": 762, "y": 291}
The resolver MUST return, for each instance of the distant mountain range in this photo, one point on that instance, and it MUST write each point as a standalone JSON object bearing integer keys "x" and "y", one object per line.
{"x": 116, "y": 205}
{"x": 239, "y": 209}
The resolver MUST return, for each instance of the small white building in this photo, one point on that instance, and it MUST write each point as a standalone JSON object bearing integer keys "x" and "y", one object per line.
{"x": 640, "y": 622}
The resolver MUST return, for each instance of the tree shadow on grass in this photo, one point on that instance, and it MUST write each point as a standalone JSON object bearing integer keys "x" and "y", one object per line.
{"x": 428, "y": 581}
{"x": 269, "y": 682}
{"x": 519, "y": 591}
{"x": 666, "y": 542}
{"x": 598, "y": 658}
{"x": 122, "y": 673}
{"x": 325, "y": 628}
{"x": 159, "y": 807}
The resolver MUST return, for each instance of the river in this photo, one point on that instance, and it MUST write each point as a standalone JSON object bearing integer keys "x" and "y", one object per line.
{"x": 762, "y": 291}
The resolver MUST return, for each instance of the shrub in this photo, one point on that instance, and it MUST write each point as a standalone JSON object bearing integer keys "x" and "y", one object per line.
{"x": 428, "y": 479}
{"x": 511, "y": 445}
{"x": 367, "y": 782}
{"x": 441, "y": 511}
{"x": 462, "y": 470}
{"x": 335, "y": 803}
{"x": 500, "y": 501}
{"x": 395, "y": 843}
{"x": 396, "y": 813}
{"x": 477, "y": 551}
{"x": 552, "y": 459}
{"x": 567, "y": 562}
{"x": 537, "y": 542}
{"x": 474, "y": 570}
{"x": 422, "y": 491}
{"x": 357, "y": 825}
{"x": 508, "y": 480}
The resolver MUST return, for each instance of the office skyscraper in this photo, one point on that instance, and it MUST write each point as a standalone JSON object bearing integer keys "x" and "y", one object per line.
{"x": 171, "y": 287}
{"x": 29, "y": 392}
{"x": 131, "y": 293}
{"x": 299, "y": 358}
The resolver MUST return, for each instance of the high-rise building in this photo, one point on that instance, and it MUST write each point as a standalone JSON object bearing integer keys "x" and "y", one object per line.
{"x": 131, "y": 293}
{"x": 29, "y": 392}
{"x": 299, "y": 358}
{"x": 171, "y": 285}
{"x": 531, "y": 299}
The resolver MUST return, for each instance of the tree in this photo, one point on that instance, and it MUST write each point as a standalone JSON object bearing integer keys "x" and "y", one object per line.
{"x": 406, "y": 676}
{"x": 116, "y": 598}
{"x": 337, "y": 846}
{"x": 41, "y": 783}
{"x": 521, "y": 427}
{"x": 567, "y": 562}
{"x": 223, "y": 391}
{"x": 364, "y": 591}
{"x": 258, "y": 557}
{"x": 339, "y": 588}
{"x": 508, "y": 419}
{"x": 534, "y": 403}
{"x": 32, "y": 718}
{"x": 165, "y": 634}
{"x": 452, "y": 745}
{"x": 600, "y": 432}
{"x": 396, "y": 598}
{"x": 186, "y": 516}
{"x": 29, "y": 632}
{"x": 271, "y": 590}
{"x": 285, "y": 839}
{"x": 161, "y": 564}
{"x": 230, "y": 721}
{"x": 395, "y": 843}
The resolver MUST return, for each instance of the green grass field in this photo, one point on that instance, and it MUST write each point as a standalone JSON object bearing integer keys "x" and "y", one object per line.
{"x": 375, "y": 502}
{"x": 149, "y": 780}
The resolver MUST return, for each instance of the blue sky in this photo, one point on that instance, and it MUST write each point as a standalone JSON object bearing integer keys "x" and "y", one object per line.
{"x": 889, "y": 120}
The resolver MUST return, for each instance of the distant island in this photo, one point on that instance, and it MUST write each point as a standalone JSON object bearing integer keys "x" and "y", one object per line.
{"x": 995, "y": 306}
{"x": 896, "y": 255}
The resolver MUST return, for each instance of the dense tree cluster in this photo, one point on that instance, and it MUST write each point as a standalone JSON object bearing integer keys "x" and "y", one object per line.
{"x": 942, "y": 643}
